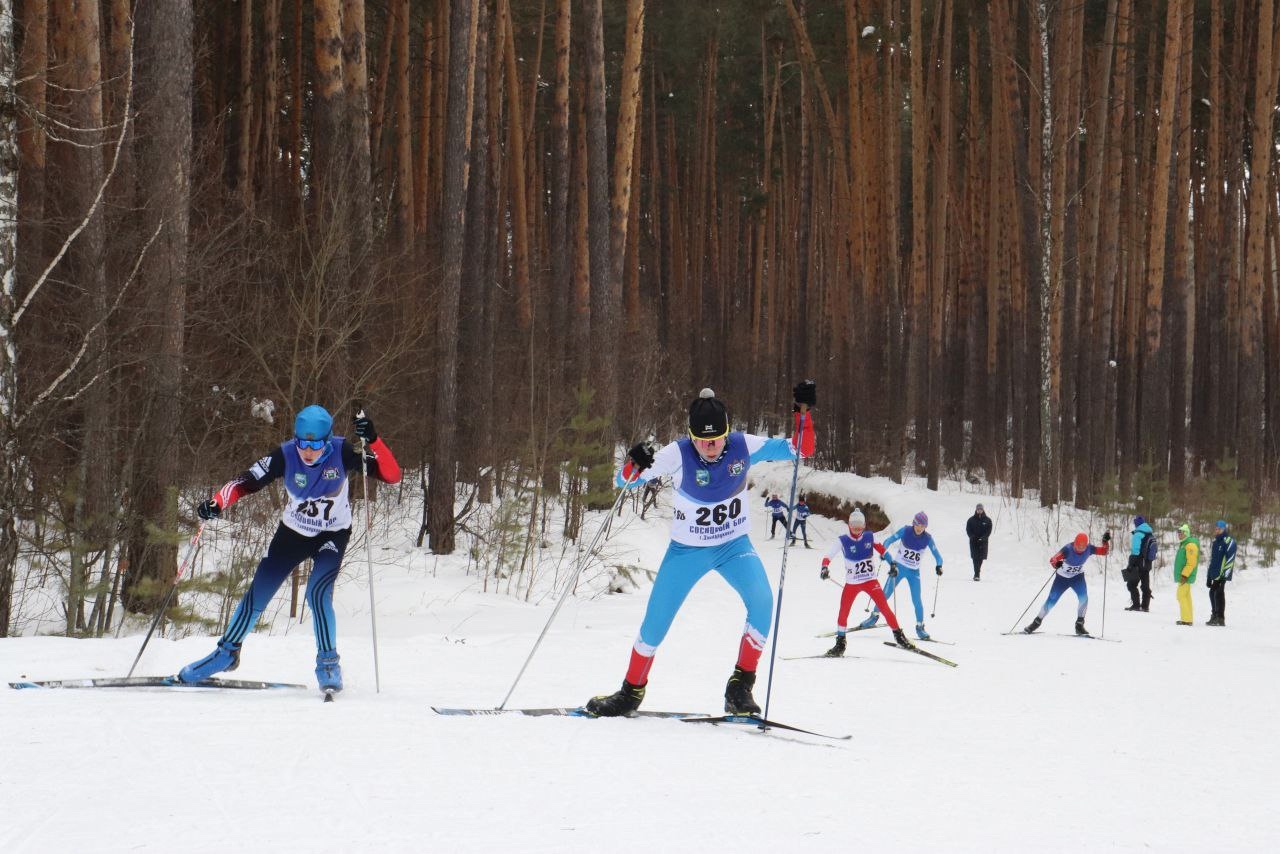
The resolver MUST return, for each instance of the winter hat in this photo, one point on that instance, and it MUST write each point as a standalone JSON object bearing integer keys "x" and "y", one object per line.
{"x": 857, "y": 520}
{"x": 1221, "y": 523}
{"x": 708, "y": 419}
{"x": 920, "y": 519}
{"x": 1081, "y": 541}
{"x": 1138, "y": 521}
{"x": 314, "y": 422}
{"x": 979, "y": 507}
{"x": 1184, "y": 530}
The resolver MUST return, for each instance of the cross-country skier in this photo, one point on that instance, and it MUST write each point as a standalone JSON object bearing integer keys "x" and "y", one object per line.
{"x": 802, "y": 519}
{"x": 913, "y": 539}
{"x": 857, "y": 549}
{"x": 1069, "y": 563}
{"x": 316, "y": 525}
{"x": 778, "y": 514}
{"x": 709, "y": 531}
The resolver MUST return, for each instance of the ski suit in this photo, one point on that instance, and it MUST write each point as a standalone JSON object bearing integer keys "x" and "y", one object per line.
{"x": 710, "y": 523}
{"x": 802, "y": 516}
{"x": 858, "y": 556}
{"x": 910, "y": 552}
{"x": 316, "y": 524}
{"x": 1185, "y": 566}
{"x": 1069, "y": 564}
{"x": 779, "y": 509}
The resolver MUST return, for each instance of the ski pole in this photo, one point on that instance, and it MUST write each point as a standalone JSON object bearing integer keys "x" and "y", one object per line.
{"x": 192, "y": 550}
{"x": 937, "y": 584}
{"x": 568, "y": 588}
{"x": 782, "y": 574}
{"x": 368, "y": 554}
{"x": 1052, "y": 573}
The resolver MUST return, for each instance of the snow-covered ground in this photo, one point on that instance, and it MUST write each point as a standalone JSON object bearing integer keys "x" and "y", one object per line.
{"x": 1162, "y": 742}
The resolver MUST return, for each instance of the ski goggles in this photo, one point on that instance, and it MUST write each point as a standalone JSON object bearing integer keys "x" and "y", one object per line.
{"x": 311, "y": 444}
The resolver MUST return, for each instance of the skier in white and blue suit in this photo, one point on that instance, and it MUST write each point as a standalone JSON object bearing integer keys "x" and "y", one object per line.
{"x": 315, "y": 525}
{"x": 709, "y": 527}
{"x": 912, "y": 540}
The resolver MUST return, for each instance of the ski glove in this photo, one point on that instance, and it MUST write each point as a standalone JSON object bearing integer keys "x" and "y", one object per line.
{"x": 893, "y": 569}
{"x": 642, "y": 456}
{"x": 364, "y": 429}
{"x": 208, "y": 510}
{"x": 824, "y": 573}
{"x": 939, "y": 569}
{"x": 1106, "y": 538}
{"x": 805, "y": 393}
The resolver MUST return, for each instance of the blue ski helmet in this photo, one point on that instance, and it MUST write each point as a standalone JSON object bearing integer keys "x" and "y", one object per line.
{"x": 314, "y": 422}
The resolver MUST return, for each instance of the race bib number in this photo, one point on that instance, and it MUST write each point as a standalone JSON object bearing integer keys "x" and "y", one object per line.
{"x": 861, "y": 570}
{"x": 910, "y": 557}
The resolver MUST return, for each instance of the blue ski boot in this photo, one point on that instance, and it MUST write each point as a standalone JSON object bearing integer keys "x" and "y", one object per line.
{"x": 920, "y": 632}
{"x": 870, "y": 622}
{"x": 328, "y": 671}
{"x": 225, "y": 657}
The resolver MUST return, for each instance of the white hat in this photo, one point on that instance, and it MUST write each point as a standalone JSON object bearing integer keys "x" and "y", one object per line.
{"x": 857, "y": 520}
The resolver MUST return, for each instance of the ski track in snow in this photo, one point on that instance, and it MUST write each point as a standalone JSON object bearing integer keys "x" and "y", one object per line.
{"x": 1165, "y": 742}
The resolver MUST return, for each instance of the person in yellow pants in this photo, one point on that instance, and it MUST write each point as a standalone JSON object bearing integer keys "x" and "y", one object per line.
{"x": 1185, "y": 565}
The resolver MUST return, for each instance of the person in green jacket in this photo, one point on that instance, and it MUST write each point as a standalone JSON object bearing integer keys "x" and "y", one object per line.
{"x": 1185, "y": 565}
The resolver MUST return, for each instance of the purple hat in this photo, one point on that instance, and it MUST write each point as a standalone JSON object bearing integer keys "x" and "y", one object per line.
{"x": 920, "y": 519}
{"x": 1138, "y": 521}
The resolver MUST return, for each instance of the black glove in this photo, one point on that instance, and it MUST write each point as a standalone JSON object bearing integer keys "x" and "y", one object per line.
{"x": 893, "y": 569}
{"x": 824, "y": 573}
{"x": 805, "y": 393}
{"x": 939, "y": 568}
{"x": 208, "y": 510}
{"x": 1106, "y": 538}
{"x": 364, "y": 428}
{"x": 641, "y": 457}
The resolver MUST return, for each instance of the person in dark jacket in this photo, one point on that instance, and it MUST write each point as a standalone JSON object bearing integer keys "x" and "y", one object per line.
{"x": 1138, "y": 572}
{"x": 777, "y": 514}
{"x": 1222, "y": 564}
{"x": 979, "y": 530}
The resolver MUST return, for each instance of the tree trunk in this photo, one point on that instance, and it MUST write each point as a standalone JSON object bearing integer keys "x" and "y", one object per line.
{"x": 9, "y": 177}
{"x": 605, "y": 299}
{"x": 624, "y": 142}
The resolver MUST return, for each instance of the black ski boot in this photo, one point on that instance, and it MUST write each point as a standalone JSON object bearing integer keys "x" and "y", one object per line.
{"x": 737, "y": 694}
{"x": 1032, "y": 626}
{"x": 622, "y": 702}
{"x": 837, "y": 650}
{"x": 901, "y": 637}
{"x": 1080, "y": 629}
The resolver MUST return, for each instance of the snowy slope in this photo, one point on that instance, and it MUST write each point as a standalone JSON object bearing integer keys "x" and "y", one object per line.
{"x": 1161, "y": 742}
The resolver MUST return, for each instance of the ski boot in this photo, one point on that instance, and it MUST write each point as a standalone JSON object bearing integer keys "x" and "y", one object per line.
{"x": 921, "y": 633}
{"x": 901, "y": 637}
{"x": 328, "y": 671}
{"x": 225, "y": 657}
{"x": 870, "y": 622}
{"x": 1134, "y": 607}
{"x": 1080, "y": 629}
{"x": 1032, "y": 626}
{"x": 1185, "y": 623}
{"x": 619, "y": 704}
{"x": 737, "y": 693}
{"x": 837, "y": 650}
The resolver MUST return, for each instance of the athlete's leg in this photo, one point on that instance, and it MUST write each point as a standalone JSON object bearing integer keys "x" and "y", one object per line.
{"x": 913, "y": 581}
{"x": 1060, "y": 584}
{"x": 882, "y": 602}
{"x": 741, "y": 567}
{"x": 287, "y": 549}
{"x": 1082, "y": 594}
{"x": 847, "y": 595}
{"x": 326, "y": 561}
{"x": 681, "y": 568}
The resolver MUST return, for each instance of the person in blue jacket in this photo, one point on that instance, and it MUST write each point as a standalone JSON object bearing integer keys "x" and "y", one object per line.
{"x": 1068, "y": 564}
{"x": 912, "y": 540}
{"x": 802, "y": 514}
{"x": 778, "y": 514}
{"x": 1138, "y": 572}
{"x": 1222, "y": 563}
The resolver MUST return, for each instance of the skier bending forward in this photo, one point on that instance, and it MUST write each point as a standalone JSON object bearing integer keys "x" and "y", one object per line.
{"x": 857, "y": 549}
{"x": 1069, "y": 563}
{"x": 316, "y": 525}
{"x": 709, "y": 527}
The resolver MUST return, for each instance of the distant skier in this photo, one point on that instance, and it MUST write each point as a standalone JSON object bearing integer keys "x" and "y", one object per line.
{"x": 709, "y": 531}
{"x": 1222, "y": 563}
{"x": 1185, "y": 566}
{"x": 802, "y": 517}
{"x": 978, "y": 529}
{"x": 913, "y": 539}
{"x": 778, "y": 510}
{"x": 317, "y": 524}
{"x": 1069, "y": 562}
{"x": 1138, "y": 572}
{"x": 857, "y": 549}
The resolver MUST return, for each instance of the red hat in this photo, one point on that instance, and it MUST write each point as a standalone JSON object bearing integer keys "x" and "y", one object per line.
{"x": 1081, "y": 541}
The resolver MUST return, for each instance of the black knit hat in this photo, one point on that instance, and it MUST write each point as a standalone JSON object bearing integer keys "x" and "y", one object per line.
{"x": 708, "y": 419}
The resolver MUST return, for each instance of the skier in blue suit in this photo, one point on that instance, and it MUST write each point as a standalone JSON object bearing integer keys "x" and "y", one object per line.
{"x": 912, "y": 541}
{"x": 710, "y": 524}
